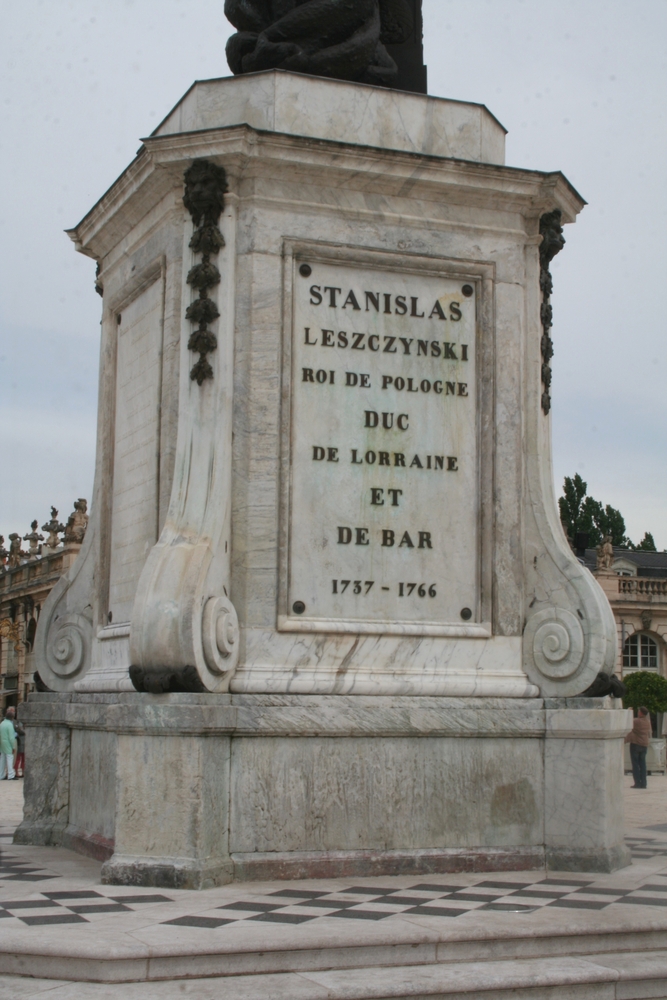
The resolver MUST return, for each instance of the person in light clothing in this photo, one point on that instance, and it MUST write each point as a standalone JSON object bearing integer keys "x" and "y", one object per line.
{"x": 7, "y": 745}
{"x": 639, "y": 739}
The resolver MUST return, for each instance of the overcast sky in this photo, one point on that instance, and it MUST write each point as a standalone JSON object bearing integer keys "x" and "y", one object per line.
{"x": 581, "y": 85}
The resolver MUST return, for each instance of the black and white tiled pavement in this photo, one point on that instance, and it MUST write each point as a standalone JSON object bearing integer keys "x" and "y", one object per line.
{"x": 441, "y": 897}
{"x": 646, "y": 847}
{"x": 436, "y": 896}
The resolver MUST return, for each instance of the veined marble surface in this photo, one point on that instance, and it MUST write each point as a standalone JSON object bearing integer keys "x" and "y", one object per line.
{"x": 424, "y": 199}
{"x": 280, "y": 101}
{"x": 376, "y": 664}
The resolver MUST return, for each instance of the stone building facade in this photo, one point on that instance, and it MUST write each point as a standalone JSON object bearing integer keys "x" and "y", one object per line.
{"x": 636, "y": 586}
{"x": 27, "y": 576}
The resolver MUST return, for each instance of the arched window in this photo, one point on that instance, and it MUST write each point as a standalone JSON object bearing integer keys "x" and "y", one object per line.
{"x": 640, "y": 652}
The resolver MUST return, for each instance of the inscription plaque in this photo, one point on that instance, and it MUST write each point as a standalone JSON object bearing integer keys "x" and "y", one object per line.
{"x": 383, "y": 506}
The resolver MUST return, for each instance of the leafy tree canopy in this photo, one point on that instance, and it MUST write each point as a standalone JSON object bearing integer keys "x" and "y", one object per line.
{"x": 647, "y": 689}
{"x": 647, "y": 544}
{"x": 581, "y": 513}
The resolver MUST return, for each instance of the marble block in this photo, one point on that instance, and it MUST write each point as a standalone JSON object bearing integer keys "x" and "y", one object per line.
{"x": 324, "y": 510}
{"x": 189, "y": 791}
{"x": 279, "y": 101}
{"x": 360, "y": 499}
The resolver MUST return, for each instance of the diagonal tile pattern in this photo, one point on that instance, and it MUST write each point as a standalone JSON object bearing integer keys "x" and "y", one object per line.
{"x": 69, "y": 893}
{"x": 441, "y": 897}
{"x": 437, "y": 900}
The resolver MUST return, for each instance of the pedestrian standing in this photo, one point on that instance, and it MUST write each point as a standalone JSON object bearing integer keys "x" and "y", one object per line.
{"x": 19, "y": 767}
{"x": 7, "y": 745}
{"x": 639, "y": 739}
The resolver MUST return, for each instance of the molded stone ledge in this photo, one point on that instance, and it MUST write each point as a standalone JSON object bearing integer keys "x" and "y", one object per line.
{"x": 39, "y": 834}
{"x": 167, "y": 873}
{"x": 288, "y": 715}
{"x": 90, "y": 844}
{"x": 588, "y": 723}
{"x": 325, "y": 715}
{"x": 368, "y": 864}
{"x": 604, "y": 859}
{"x": 303, "y": 105}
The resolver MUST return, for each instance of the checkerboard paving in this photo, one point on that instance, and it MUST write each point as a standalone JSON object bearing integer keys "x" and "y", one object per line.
{"x": 646, "y": 847}
{"x": 444, "y": 896}
{"x": 71, "y": 907}
{"x": 14, "y": 870}
{"x": 438, "y": 898}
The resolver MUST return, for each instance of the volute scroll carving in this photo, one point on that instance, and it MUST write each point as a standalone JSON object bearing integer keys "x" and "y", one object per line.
{"x": 554, "y": 651}
{"x": 218, "y": 645}
{"x": 68, "y": 646}
{"x": 220, "y": 635}
{"x": 556, "y": 639}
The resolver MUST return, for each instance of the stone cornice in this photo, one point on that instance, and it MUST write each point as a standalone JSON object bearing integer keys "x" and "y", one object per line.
{"x": 249, "y": 154}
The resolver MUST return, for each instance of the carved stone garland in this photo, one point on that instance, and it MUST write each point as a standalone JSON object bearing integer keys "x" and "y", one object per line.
{"x": 553, "y": 242}
{"x": 204, "y": 198}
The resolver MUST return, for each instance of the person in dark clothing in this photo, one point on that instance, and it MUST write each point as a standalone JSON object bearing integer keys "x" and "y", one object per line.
{"x": 19, "y": 766}
{"x": 639, "y": 739}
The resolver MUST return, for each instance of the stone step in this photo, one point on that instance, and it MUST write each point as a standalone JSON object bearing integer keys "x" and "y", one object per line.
{"x": 628, "y": 976}
{"x": 396, "y": 954}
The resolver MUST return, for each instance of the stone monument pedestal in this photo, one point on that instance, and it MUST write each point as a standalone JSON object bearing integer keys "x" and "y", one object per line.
{"x": 189, "y": 791}
{"x": 325, "y": 619}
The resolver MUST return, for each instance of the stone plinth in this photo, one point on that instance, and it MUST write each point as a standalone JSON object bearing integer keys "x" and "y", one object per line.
{"x": 194, "y": 790}
{"x": 323, "y": 493}
{"x": 199, "y": 486}
{"x": 336, "y": 111}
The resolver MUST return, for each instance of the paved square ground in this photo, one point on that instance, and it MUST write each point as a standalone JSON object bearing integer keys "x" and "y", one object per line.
{"x": 51, "y": 898}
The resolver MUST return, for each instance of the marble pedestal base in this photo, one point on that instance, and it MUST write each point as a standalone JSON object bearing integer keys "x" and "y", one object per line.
{"x": 189, "y": 791}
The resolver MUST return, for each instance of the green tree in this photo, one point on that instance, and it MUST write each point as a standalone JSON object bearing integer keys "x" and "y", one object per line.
{"x": 611, "y": 522}
{"x": 645, "y": 688}
{"x": 647, "y": 544}
{"x": 569, "y": 505}
{"x": 581, "y": 513}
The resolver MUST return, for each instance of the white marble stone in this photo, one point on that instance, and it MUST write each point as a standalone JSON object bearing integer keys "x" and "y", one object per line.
{"x": 188, "y": 776}
{"x": 371, "y": 665}
{"x": 343, "y": 794}
{"x": 134, "y": 504}
{"x": 441, "y": 228}
{"x": 583, "y": 774}
{"x": 381, "y": 444}
{"x": 291, "y": 786}
{"x": 280, "y": 101}
{"x": 211, "y": 519}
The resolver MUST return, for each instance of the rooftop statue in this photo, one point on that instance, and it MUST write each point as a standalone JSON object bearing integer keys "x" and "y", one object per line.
{"x": 34, "y": 538}
{"x": 15, "y": 551}
{"x": 54, "y": 528}
{"x": 605, "y": 554}
{"x": 77, "y": 522}
{"x": 367, "y": 41}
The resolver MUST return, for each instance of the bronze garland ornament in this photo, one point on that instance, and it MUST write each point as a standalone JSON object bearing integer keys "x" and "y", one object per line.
{"x": 342, "y": 39}
{"x": 204, "y": 198}
{"x": 552, "y": 243}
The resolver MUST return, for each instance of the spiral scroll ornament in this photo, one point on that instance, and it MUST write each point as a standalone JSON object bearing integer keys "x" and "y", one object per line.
{"x": 343, "y": 39}
{"x": 68, "y": 646}
{"x": 553, "y": 648}
{"x": 220, "y": 635}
